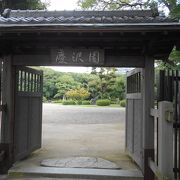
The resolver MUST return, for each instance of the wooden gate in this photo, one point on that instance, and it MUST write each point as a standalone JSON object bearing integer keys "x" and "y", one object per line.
{"x": 4, "y": 158}
{"x": 134, "y": 116}
{"x": 169, "y": 90}
{"x": 28, "y": 111}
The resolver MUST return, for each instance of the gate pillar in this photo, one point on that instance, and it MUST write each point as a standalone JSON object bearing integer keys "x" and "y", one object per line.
{"x": 148, "y": 122}
{"x": 6, "y": 144}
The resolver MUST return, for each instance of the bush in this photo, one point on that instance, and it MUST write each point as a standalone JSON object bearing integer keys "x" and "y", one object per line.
{"x": 78, "y": 94}
{"x": 79, "y": 102}
{"x": 86, "y": 102}
{"x": 103, "y": 102}
{"x": 123, "y": 103}
{"x": 69, "y": 102}
{"x": 58, "y": 101}
{"x": 114, "y": 101}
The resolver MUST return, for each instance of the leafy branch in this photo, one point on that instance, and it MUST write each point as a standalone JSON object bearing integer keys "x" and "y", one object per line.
{"x": 116, "y": 4}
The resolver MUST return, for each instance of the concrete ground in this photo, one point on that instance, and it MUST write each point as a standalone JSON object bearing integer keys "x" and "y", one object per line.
{"x": 72, "y": 131}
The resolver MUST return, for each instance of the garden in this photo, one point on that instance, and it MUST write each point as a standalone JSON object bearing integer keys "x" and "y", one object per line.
{"x": 100, "y": 87}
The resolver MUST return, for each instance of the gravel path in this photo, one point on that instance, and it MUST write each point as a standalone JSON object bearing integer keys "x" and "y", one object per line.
{"x": 82, "y": 115}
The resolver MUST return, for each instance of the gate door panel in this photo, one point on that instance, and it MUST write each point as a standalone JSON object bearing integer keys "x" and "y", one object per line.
{"x": 28, "y": 111}
{"x": 134, "y": 116}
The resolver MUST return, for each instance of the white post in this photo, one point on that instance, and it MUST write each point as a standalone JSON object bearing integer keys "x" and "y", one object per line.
{"x": 165, "y": 140}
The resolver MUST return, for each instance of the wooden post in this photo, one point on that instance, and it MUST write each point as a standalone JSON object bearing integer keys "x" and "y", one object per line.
{"x": 7, "y": 115}
{"x": 148, "y": 122}
{"x": 165, "y": 139}
{"x": 164, "y": 113}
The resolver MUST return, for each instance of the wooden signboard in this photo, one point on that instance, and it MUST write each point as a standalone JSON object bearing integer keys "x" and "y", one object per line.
{"x": 79, "y": 57}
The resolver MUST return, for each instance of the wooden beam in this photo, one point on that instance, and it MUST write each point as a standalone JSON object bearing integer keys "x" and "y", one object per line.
{"x": 148, "y": 122}
{"x": 127, "y": 27}
{"x": 110, "y": 61}
{"x": 57, "y": 36}
{"x": 134, "y": 96}
{"x": 134, "y": 71}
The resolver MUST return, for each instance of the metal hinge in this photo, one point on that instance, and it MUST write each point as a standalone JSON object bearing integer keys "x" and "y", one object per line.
{"x": 176, "y": 125}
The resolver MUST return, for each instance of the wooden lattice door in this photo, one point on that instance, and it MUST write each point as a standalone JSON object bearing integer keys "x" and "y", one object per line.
{"x": 134, "y": 115}
{"x": 28, "y": 111}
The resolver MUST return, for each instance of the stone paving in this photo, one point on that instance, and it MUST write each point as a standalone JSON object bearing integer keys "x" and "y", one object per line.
{"x": 80, "y": 162}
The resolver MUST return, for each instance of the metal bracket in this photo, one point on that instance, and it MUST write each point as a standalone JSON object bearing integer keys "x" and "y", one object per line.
{"x": 169, "y": 116}
{"x": 154, "y": 112}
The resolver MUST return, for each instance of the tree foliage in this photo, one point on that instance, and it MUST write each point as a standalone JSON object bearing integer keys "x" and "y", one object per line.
{"x": 176, "y": 11}
{"x": 79, "y": 86}
{"x": 23, "y": 4}
{"x": 105, "y": 86}
{"x": 65, "y": 83}
{"x": 171, "y": 5}
{"x": 78, "y": 94}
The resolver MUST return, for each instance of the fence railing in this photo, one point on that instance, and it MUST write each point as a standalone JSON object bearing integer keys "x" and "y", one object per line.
{"x": 164, "y": 168}
{"x": 169, "y": 90}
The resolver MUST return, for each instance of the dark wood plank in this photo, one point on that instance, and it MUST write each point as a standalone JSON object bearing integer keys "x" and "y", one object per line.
{"x": 148, "y": 122}
{"x": 77, "y": 56}
{"x": 110, "y": 61}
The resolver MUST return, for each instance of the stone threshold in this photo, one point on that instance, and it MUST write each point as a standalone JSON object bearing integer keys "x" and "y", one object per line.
{"x": 75, "y": 173}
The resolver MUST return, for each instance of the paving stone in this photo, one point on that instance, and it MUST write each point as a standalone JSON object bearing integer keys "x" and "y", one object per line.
{"x": 75, "y": 173}
{"x": 80, "y": 162}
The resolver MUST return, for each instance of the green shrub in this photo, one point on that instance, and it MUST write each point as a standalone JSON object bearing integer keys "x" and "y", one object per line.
{"x": 123, "y": 103}
{"x": 86, "y": 102}
{"x": 79, "y": 102}
{"x": 69, "y": 102}
{"x": 58, "y": 101}
{"x": 103, "y": 102}
{"x": 114, "y": 101}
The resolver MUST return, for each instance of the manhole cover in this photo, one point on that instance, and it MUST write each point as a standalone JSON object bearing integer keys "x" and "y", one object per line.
{"x": 80, "y": 162}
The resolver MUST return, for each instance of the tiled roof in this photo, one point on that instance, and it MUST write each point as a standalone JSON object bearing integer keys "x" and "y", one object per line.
{"x": 81, "y": 17}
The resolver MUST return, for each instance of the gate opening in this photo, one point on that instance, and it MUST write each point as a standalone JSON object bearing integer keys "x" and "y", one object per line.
{"x": 77, "y": 130}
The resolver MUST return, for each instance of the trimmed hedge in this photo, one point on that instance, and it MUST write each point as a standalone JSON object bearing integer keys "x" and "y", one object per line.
{"x": 79, "y": 102}
{"x": 103, "y": 102}
{"x": 115, "y": 101}
{"x": 123, "y": 103}
{"x": 86, "y": 102}
{"x": 58, "y": 101}
{"x": 68, "y": 102}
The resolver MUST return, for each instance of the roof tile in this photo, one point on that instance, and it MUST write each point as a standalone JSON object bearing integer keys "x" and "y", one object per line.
{"x": 88, "y": 17}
